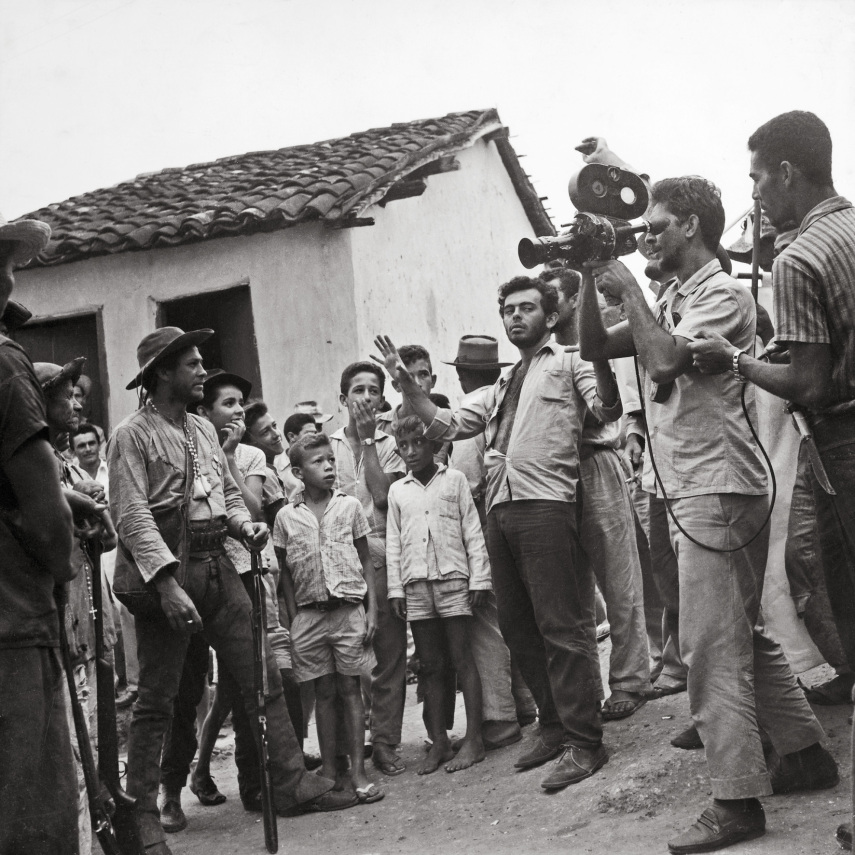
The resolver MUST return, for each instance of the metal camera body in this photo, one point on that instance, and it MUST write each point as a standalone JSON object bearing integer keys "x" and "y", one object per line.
{"x": 606, "y": 199}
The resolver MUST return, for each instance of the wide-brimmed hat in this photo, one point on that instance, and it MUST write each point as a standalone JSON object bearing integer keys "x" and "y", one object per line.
{"x": 218, "y": 377}
{"x": 15, "y": 315}
{"x": 477, "y": 352}
{"x": 311, "y": 408}
{"x": 742, "y": 249}
{"x": 51, "y": 375}
{"x": 162, "y": 342}
{"x": 31, "y": 237}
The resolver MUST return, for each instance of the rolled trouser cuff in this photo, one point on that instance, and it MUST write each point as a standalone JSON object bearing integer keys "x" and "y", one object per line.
{"x": 748, "y": 787}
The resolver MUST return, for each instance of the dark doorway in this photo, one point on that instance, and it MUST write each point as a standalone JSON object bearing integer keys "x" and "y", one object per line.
{"x": 62, "y": 340}
{"x": 229, "y": 314}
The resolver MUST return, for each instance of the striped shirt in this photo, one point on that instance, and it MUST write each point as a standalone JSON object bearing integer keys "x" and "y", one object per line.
{"x": 814, "y": 281}
{"x": 322, "y": 559}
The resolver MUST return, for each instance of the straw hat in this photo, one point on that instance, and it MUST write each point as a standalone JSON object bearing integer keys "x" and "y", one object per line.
{"x": 31, "y": 237}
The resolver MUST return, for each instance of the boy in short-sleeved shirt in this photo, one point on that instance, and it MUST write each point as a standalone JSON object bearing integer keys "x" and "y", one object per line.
{"x": 322, "y": 548}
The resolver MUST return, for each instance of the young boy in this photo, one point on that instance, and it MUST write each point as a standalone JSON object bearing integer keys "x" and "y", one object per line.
{"x": 438, "y": 572}
{"x": 322, "y": 547}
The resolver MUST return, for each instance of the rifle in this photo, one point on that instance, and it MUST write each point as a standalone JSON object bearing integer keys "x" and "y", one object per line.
{"x": 259, "y": 630}
{"x": 100, "y": 819}
{"x": 121, "y": 805}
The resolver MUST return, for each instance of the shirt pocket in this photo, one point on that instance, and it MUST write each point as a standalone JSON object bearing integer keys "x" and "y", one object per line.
{"x": 555, "y": 385}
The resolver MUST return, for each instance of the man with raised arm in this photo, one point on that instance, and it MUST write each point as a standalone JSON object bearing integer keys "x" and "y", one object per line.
{"x": 532, "y": 419}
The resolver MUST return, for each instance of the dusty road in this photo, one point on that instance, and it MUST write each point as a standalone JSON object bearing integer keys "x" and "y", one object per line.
{"x": 648, "y": 792}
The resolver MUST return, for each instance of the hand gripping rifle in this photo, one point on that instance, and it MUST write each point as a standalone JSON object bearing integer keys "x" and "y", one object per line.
{"x": 259, "y": 631}
{"x": 97, "y": 811}
{"x": 121, "y": 804}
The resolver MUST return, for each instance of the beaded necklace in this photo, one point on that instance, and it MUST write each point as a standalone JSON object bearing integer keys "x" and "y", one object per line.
{"x": 201, "y": 485}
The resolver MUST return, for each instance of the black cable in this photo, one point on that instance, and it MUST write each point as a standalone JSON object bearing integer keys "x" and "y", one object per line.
{"x": 665, "y": 495}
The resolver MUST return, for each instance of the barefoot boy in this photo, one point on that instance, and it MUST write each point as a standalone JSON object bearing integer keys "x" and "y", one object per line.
{"x": 321, "y": 543}
{"x": 438, "y": 571}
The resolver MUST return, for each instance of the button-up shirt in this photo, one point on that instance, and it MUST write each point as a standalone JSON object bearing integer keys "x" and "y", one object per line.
{"x": 542, "y": 461}
{"x": 146, "y": 458}
{"x": 814, "y": 281}
{"x": 438, "y": 518}
{"x": 699, "y": 436}
{"x": 322, "y": 557}
{"x": 350, "y": 478}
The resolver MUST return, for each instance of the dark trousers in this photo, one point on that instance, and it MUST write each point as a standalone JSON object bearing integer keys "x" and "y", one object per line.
{"x": 389, "y": 677}
{"x": 545, "y": 597}
{"x": 38, "y": 783}
{"x": 219, "y": 597}
{"x": 181, "y": 743}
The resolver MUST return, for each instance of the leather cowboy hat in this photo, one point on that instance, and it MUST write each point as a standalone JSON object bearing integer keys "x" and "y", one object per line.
{"x": 477, "y": 351}
{"x": 218, "y": 377}
{"x": 162, "y": 342}
{"x": 51, "y": 375}
{"x": 31, "y": 237}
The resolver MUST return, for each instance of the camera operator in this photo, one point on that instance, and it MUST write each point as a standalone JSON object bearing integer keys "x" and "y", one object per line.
{"x": 814, "y": 282}
{"x": 712, "y": 474}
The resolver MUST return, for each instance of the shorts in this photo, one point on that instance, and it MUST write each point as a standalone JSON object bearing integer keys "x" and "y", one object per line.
{"x": 330, "y": 643}
{"x": 279, "y": 640}
{"x": 437, "y": 598}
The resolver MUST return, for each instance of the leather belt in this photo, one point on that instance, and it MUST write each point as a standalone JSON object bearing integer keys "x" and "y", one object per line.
{"x": 329, "y": 605}
{"x": 206, "y": 536}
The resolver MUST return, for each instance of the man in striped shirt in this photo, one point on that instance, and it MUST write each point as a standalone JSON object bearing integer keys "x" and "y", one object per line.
{"x": 814, "y": 281}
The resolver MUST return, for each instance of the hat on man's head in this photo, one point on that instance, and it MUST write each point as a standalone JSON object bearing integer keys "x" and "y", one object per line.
{"x": 218, "y": 377}
{"x": 311, "y": 408}
{"x": 742, "y": 249}
{"x": 15, "y": 315}
{"x": 477, "y": 352}
{"x": 50, "y": 375}
{"x": 161, "y": 343}
{"x": 30, "y": 237}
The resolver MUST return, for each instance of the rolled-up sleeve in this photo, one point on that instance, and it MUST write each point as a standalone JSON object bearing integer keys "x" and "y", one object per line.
{"x": 129, "y": 488}
{"x": 467, "y": 421}
{"x": 586, "y": 385}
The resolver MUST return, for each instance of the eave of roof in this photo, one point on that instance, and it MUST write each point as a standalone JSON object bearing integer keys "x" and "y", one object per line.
{"x": 332, "y": 181}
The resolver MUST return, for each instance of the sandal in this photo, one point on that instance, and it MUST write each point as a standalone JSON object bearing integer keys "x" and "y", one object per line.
{"x": 390, "y": 767}
{"x": 615, "y": 710}
{"x": 370, "y": 794}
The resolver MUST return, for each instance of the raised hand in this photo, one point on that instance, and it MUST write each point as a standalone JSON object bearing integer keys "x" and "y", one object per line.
{"x": 389, "y": 358}
{"x": 232, "y": 434}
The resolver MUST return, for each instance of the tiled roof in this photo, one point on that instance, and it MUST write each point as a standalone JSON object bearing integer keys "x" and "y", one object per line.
{"x": 268, "y": 190}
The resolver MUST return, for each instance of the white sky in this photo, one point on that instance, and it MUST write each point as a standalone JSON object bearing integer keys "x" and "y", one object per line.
{"x": 94, "y": 92}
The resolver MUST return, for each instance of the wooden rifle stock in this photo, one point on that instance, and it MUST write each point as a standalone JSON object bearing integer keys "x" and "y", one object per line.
{"x": 122, "y": 805}
{"x": 98, "y": 813}
{"x": 259, "y": 630}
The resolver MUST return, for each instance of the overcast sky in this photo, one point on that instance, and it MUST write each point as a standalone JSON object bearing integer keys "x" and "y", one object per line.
{"x": 94, "y": 92}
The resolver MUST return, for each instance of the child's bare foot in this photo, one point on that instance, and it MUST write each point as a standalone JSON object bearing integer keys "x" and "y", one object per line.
{"x": 471, "y": 752}
{"x": 439, "y": 753}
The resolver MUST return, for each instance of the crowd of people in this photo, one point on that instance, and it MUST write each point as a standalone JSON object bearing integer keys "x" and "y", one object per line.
{"x": 481, "y": 533}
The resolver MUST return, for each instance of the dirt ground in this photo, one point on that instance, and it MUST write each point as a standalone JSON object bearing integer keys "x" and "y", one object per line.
{"x": 646, "y": 794}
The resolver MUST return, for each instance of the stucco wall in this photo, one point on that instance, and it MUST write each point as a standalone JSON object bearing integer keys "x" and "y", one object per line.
{"x": 302, "y": 300}
{"x": 427, "y": 271}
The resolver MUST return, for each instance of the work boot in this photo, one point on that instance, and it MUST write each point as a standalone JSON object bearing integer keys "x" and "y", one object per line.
{"x": 575, "y": 765}
{"x": 172, "y": 817}
{"x": 688, "y": 740}
{"x": 545, "y": 745}
{"x": 812, "y": 768}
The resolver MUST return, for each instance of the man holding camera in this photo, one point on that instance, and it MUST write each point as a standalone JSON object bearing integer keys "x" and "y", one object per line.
{"x": 710, "y": 471}
{"x": 814, "y": 281}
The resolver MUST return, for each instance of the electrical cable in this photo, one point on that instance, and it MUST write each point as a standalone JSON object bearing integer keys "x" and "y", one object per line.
{"x": 665, "y": 495}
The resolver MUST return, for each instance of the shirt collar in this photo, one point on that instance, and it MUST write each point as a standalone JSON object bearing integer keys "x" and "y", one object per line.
{"x": 551, "y": 345}
{"x": 700, "y": 276}
{"x": 440, "y": 468}
{"x": 298, "y": 499}
{"x": 827, "y": 206}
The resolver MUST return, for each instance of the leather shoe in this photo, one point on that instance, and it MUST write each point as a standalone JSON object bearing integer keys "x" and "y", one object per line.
{"x": 844, "y": 836}
{"x": 688, "y": 740}
{"x": 206, "y": 791}
{"x": 172, "y": 817}
{"x": 574, "y": 765}
{"x": 544, "y": 747}
{"x": 253, "y": 804}
{"x": 812, "y": 768}
{"x": 719, "y": 826}
{"x": 126, "y": 699}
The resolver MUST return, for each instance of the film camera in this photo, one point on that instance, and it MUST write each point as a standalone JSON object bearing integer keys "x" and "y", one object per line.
{"x": 606, "y": 199}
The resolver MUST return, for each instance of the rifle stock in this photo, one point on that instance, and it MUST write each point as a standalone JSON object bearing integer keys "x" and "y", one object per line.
{"x": 259, "y": 629}
{"x": 122, "y": 805}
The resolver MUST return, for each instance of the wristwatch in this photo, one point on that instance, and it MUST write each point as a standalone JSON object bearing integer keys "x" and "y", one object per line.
{"x": 368, "y": 441}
